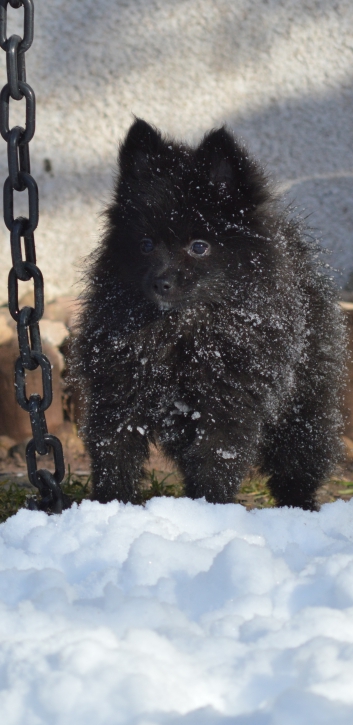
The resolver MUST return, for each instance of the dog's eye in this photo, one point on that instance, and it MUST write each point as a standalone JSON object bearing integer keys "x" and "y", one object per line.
{"x": 147, "y": 246}
{"x": 199, "y": 248}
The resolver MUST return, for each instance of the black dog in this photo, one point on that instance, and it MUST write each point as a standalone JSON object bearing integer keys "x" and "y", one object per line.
{"x": 208, "y": 326}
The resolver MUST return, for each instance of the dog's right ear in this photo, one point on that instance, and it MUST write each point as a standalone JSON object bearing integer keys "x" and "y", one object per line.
{"x": 142, "y": 145}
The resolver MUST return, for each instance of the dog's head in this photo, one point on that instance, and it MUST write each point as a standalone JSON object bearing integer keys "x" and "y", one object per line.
{"x": 186, "y": 221}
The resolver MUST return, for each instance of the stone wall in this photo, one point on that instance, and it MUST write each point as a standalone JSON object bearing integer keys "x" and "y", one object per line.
{"x": 278, "y": 72}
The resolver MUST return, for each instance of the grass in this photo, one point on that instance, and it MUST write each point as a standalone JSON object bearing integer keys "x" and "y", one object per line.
{"x": 12, "y": 498}
{"x": 161, "y": 488}
{"x": 75, "y": 487}
{"x": 346, "y": 487}
{"x": 252, "y": 494}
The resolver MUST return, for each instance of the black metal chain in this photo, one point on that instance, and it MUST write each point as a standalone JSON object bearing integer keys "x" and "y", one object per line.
{"x": 31, "y": 356}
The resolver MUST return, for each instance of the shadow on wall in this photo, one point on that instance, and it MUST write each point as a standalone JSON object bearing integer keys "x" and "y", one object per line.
{"x": 312, "y": 136}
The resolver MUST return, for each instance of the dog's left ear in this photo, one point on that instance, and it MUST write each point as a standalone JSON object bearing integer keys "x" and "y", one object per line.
{"x": 215, "y": 155}
{"x": 227, "y": 165}
{"x": 142, "y": 145}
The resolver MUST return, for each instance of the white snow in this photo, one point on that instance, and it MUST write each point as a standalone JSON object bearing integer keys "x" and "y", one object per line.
{"x": 179, "y": 613}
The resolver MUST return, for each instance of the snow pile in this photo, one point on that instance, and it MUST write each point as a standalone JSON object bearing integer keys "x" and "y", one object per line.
{"x": 181, "y": 612}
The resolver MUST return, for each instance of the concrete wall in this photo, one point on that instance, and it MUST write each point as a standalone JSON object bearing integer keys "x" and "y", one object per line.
{"x": 279, "y": 72}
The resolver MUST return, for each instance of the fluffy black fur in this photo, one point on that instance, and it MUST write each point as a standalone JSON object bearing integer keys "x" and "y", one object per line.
{"x": 229, "y": 353}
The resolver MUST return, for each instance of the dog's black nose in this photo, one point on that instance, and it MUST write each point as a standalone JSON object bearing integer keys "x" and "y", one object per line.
{"x": 162, "y": 286}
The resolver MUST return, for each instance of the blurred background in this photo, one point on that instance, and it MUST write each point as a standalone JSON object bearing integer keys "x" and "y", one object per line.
{"x": 278, "y": 72}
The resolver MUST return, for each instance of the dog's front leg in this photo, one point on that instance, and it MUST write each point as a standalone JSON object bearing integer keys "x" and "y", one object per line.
{"x": 118, "y": 447}
{"x": 215, "y": 456}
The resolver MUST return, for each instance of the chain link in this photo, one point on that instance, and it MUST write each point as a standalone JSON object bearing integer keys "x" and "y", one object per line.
{"x": 19, "y": 179}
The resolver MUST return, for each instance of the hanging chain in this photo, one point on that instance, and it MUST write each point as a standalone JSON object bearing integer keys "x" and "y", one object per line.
{"x": 19, "y": 178}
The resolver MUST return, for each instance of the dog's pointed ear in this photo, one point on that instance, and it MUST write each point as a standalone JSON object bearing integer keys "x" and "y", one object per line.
{"x": 227, "y": 165}
{"x": 216, "y": 156}
{"x": 141, "y": 145}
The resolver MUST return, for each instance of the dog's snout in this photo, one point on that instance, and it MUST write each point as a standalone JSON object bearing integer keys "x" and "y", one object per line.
{"x": 162, "y": 286}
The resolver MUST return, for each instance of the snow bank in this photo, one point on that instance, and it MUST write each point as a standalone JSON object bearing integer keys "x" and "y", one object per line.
{"x": 181, "y": 612}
